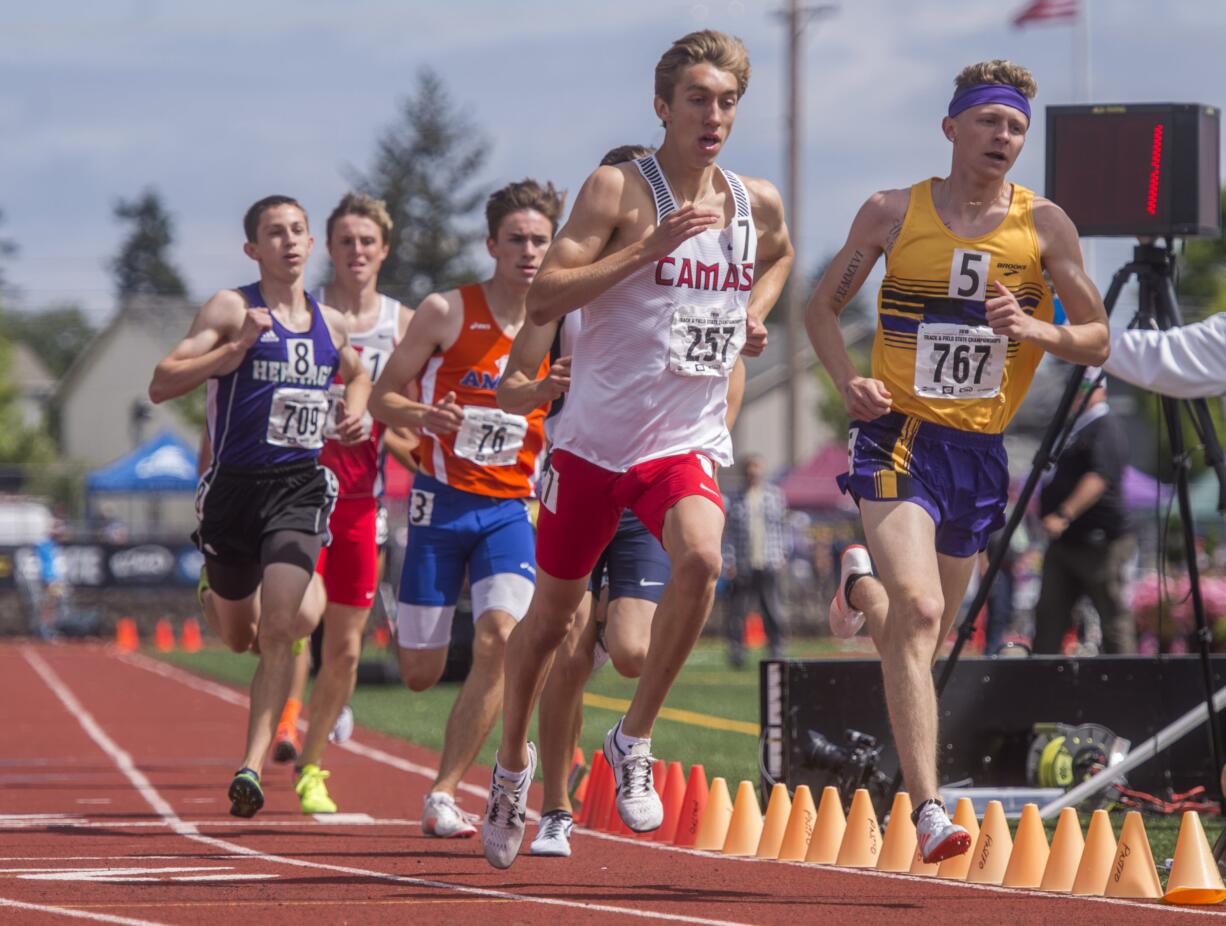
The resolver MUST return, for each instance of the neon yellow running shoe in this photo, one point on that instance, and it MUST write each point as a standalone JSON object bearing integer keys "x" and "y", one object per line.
{"x": 312, "y": 792}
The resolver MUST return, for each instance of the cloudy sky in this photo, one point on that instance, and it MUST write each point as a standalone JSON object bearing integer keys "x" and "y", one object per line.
{"x": 216, "y": 104}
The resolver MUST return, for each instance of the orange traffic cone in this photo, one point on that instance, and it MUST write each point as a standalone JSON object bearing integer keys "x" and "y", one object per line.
{"x": 1028, "y": 860}
{"x": 383, "y": 636}
{"x": 693, "y": 807}
{"x": 990, "y": 855}
{"x": 862, "y": 841}
{"x": 587, "y": 809}
{"x": 800, "y": 826}
{"x": 1194, "y": 877}
{"x": 672, "y": 798}
{"x": 127, "y": 638}
{"x": 1096, "y": 857}
{"x": 1066, "y": 848}
{"x": 713, "y": 828}
{"x": 755, "y": 635}
{"x": 828, "y": 829}
{"x": 191, "y": 636}
{"x": 1134, "y": 873}
{"x": 957, "y": 868}
{"x": 778, "y": 809}
{"x": 745, "y": 827}
{"x": 898, "y": 849}
{"x": 920, "y": 867}
{"x": 164, "y": 636}
{"x": 603, "y": 809}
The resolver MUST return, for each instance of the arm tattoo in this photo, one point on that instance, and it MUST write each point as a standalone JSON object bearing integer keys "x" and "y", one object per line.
{"x": 849, "y": 274}
{"x": 892, "y": 236}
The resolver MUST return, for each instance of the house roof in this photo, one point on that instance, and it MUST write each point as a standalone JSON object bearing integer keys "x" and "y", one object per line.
{"x": 29, "y": 373}
{"x": 166, "y": 319}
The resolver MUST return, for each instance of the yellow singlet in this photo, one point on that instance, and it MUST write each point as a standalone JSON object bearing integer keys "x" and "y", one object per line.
{"x": 933, "y": 349}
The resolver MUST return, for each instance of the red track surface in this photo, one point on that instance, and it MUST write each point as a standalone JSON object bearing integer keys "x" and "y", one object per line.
{"x": 132, "y": 758}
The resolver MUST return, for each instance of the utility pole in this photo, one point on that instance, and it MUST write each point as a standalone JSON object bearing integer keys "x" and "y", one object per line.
{"x": 796, "y": 18}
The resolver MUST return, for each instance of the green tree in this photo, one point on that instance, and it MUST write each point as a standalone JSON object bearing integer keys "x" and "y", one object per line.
{"x": 1202, "y": 274}
{"x": 141, "y": 267}
{"x": 425, "y": 169}
{"x": 57, "y": 335}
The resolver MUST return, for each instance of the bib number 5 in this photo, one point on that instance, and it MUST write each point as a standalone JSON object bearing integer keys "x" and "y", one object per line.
{"x": 968, "y": 274}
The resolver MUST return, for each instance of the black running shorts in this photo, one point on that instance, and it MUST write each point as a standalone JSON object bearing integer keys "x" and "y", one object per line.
{"x": 238, "y": 507}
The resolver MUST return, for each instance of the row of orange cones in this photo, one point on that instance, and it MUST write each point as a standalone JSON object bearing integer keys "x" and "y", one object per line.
{"x": 794, "y": 829}
{"x": 127, "y": 636}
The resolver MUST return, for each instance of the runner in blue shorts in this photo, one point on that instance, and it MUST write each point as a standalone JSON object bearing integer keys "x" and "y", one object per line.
{"x": 468, "y": 508}
{"x": 964, "y": 317}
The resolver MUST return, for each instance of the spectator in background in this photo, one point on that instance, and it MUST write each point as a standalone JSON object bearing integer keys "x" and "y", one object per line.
{"x": 1092, "y": 543}
{"x": 754, "y": 556}
{"x": 53, "y": 582}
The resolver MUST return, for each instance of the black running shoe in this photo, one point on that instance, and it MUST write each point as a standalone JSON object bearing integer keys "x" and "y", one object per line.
{"x": 246, "y": 795}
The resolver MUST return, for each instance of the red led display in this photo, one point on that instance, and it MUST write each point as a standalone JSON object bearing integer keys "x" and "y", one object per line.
{"x": 1136, "y": 170}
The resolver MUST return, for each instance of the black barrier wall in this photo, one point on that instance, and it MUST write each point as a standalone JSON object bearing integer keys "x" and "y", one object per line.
{"x": 988, "y": 714}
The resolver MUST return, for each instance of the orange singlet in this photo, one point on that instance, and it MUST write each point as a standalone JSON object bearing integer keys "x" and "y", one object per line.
{"x": 494, "y": 453}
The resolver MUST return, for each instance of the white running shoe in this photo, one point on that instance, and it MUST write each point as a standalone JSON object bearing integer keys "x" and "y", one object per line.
{"x": 553, "y": 834}
{"x": 503, "y": 828}
{"x": 600, "y": 653}
{"x": 442, "y": 818}
{"x": 343, "y": 728}
{"x": 846, "y": 621}
{"x": 939, "y": 838}
{"x": 638, "y": 804}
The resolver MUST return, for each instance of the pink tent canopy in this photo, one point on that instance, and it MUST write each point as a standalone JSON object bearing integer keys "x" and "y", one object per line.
{"x": 811, "y": 484}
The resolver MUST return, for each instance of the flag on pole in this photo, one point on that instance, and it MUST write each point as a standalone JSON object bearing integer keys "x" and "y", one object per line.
{"x": 1047, "y": 11}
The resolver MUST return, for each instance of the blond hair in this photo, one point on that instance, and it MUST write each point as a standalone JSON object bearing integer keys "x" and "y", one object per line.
{"x": 725, "y": 52}
{"x": 365, "y": 206}
{"x": 526, "y": 194}
{"x": 997, "y": 71}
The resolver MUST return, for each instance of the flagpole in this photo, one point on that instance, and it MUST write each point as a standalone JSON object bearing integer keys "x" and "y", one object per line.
{"x": 1085, "y": 91}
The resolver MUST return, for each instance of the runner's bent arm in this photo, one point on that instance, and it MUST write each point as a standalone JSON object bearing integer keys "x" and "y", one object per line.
{"x": 774, "y": 261}
{"x": 518, "y": 392}
{"x": 573, "y": 273}
{"x": 864, "y": 398}
{"x": 215, "y": 345}
{"x": 1085, "y": 339}
{"x": 430, "y": 329}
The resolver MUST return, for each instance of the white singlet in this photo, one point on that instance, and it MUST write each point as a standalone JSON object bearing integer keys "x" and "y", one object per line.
{"x": 649, "y": 377}
{"x": 563, "y": 346}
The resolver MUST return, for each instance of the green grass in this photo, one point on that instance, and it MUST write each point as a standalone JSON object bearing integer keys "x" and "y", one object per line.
{"x": 706, "y": 686}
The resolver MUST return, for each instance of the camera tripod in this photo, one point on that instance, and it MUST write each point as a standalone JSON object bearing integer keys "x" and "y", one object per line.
{"x": 1153, "y": 267}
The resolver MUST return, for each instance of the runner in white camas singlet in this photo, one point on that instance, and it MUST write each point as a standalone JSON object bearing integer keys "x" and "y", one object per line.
{"x": 675, "y": 263}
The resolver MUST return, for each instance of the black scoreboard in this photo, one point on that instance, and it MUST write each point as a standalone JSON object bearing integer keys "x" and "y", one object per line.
{"x": 1136, "y": 169}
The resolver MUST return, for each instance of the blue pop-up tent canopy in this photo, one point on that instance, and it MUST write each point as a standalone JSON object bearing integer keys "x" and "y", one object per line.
{"x": 165, "y": 463}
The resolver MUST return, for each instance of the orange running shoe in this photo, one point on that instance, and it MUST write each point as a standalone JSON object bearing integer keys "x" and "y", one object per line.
{"x": 285, "y": 745}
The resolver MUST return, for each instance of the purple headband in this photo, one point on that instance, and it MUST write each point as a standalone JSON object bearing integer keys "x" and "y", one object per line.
{"x": 981, "y": 94}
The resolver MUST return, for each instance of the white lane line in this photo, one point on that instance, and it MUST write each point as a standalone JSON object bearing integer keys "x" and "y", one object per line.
{"x": 155, "y": 800}
{"x": 81, "y": 823}
{"x": 77, "y": 914}
{"x": 378, "y": 755}
{"x": 230, "y": 696}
